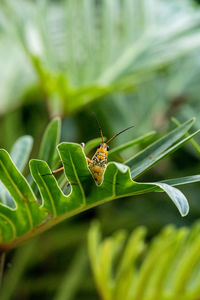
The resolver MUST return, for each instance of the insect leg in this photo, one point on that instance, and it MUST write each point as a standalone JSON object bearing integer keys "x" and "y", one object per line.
{"x": 89, "y": 161}
{"x": 58, "y": 170}
{"x": 54, "y": 172}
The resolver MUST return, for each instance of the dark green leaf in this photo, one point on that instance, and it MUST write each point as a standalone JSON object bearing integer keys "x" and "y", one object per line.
{"x": 159, "y": 149}
{"x": 127, "y": 145}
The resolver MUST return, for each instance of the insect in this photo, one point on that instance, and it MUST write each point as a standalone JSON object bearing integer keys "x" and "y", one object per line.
{"x": 98, "y": 163}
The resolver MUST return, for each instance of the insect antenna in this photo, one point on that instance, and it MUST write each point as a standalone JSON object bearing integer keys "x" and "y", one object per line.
{"x": 114, "y": 136}
{"x": 101, "y": 132}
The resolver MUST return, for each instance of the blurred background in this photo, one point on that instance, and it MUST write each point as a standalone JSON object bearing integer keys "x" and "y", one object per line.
{"x": 131, "y": 62}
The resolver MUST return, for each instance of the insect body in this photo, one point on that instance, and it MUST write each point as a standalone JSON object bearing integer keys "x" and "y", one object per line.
{"x": 98, "y": 163}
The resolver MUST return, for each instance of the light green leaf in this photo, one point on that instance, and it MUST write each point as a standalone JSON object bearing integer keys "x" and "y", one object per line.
{"x": 21, "y": 150}
{"x": 50, "y": 140}
{"x": 167, "y": 267}
{"x": 182, "y": 180}
{"x": 177, "y": 197}
{"x": 16, "y": 222}
{"x": 123, "y": 58}
{"x": 20, "y": 154}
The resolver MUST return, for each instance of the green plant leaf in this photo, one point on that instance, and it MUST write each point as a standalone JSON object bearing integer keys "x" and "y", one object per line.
{"x": 182, "y": 180}
{"x": 132, "y": 143}
{"x": 117, "y": 182}
{"x": 20, "y": 154}
{"x": 132, "y": 251}
{"x": 123, "y": 58}
{"x": 164, "y": 154}
{"x": 177, "y": 197}
{"x": 192, "y": 141}
{"x": 47, "y": 152}
{"x": 159, "y": 149}
{"x": 50, "y": 140}
{"x": 21, "y": 150}
{"x": 167, "y": 267}
{"x": 32, "y": 216}
{"x": 27, "y": 215}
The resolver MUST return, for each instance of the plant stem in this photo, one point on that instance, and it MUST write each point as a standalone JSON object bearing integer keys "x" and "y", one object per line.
{"x": 2, "y": 263}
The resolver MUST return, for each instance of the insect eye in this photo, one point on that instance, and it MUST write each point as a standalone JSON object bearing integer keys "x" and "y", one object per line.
{"x": 107, "y": 148}
{"x": 99, "y": 146}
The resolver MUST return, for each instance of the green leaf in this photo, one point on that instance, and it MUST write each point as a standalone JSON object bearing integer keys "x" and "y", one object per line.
{"x": 21, "y": 150}
{"x": 50, "y": 140}
{"x": 20, "y": 154}
{"x": 31, "y": 216}
{"x": 24, "y": 218}
{"x": 182, "y": 180}
{"x": 47, "y": 150}
{"x": 177, "y": 197}
{"x": 132, "y": 250}
{"x": 117, "y": 183}
{"x": 123, "y": 58}
{"x": 159, "y": 149}
{"x": 167, "y": 267}
{"x": 127, "y": 145}
{"x": 192, "y": 141}
{"x": 165, "y": 153}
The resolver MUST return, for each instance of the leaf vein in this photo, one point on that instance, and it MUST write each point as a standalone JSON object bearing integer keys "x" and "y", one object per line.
{"x": 77, "y": 178}
{"x": 114, "y": 184}
{"x": 50, "y": 197}
{"x": 11, "y": 224}
{"x": 20, "y": 195}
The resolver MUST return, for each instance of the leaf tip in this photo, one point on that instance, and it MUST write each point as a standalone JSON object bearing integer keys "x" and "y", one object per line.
{"x": 184, "y": 212}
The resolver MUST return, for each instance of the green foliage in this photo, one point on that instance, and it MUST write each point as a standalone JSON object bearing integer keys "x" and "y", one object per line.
{"x": 159, "y": 149}
{"x": 165, "y": 269}
{"x": 127, "y": 40}
{"x": 20, "y": 154}
{"x": 37, "y": 252}
{"x": 31, "y": 216}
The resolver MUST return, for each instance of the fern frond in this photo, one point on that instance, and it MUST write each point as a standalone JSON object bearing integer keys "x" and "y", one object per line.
{"x": 81, "y": 50}
{"x": 166, "y": 268}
